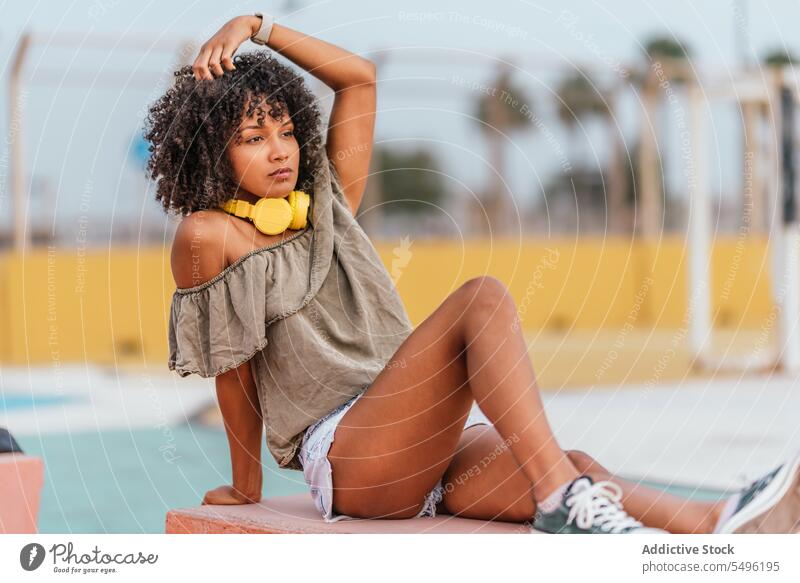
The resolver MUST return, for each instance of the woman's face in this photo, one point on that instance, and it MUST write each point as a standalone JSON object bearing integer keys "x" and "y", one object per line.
{"x": 257, "y": 152}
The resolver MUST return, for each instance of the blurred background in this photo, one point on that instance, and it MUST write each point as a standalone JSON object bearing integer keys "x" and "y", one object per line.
{"x": 627, "y": 168}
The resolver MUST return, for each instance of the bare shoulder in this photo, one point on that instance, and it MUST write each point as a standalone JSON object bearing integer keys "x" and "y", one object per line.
{"x": 198, "y": 251}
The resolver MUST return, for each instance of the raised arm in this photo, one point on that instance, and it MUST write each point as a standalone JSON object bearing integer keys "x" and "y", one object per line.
{"x": 352, "y": 78}
{"x": 352, "y": 121}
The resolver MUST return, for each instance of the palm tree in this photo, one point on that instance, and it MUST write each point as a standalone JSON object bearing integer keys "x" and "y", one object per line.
{"x": 754, "y": 113}
{"x": 666, "y": 62}
{"x": 501, "y": 111}
{"x": 410, "y": 182}
{"x": 580, "y": 98}
{"x": 778, "y": 58}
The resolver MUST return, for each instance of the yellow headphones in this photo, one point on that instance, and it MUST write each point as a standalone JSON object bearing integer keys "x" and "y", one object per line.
{"x": 272, "y": 215}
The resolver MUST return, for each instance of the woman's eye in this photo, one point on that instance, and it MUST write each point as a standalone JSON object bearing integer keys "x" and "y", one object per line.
{"x": 250, "y": 141}
{"x": 289, "y": 133}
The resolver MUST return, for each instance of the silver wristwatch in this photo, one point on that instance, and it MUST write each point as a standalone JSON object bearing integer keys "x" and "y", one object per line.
{"x": 262, "y": 36}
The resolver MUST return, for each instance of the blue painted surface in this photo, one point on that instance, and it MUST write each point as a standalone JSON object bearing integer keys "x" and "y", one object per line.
{"x": 126, "y": 481}
{"x": 15, "y": 401}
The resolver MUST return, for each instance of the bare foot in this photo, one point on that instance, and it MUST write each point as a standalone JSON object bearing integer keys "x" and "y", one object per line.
{"x": 230, "y": 495}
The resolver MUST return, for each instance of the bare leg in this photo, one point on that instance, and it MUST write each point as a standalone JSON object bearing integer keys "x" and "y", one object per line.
{"x": 393, "y": 445}
{"x": 655, "y": 507}
{"x": 484, "y": 482}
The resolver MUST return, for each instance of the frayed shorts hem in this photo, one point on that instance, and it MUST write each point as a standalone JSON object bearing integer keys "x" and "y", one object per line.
{"x": 318, "y": 473}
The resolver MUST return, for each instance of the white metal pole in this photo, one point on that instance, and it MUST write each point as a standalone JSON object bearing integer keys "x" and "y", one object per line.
{"x": 699, "y": 292}
{"x": 790, "y": 347}
{"x": 775, "y": 174}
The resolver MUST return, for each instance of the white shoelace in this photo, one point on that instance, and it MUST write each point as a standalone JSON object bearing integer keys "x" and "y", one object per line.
{"x": 599, "y": 504}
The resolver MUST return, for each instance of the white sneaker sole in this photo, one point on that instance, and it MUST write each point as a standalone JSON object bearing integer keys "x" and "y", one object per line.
{"x": 768, "y": 498}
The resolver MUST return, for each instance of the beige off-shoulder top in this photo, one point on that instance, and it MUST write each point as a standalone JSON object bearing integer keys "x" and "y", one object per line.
{"x": 317, "y": 316}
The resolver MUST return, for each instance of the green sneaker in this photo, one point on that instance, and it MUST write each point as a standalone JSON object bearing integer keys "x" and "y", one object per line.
{"x": 591, "y": 508}
{"x": 771, "y": 504}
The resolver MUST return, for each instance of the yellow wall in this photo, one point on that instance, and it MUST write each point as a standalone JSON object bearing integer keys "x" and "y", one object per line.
{"x": 589, "y": 283}
{"x": 100, "y": 306}
{"x": 108, "y": 306}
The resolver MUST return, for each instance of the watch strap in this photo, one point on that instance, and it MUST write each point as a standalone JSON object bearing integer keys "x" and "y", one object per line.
{"x": 262, "y": 36}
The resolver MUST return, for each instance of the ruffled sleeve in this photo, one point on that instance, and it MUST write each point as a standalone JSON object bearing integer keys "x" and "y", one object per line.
{"x": 220, "y": 326}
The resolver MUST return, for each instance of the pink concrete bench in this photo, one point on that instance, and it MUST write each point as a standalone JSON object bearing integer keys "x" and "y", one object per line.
{"x": 21, "y": 481}
{"x": 296, "y": 514}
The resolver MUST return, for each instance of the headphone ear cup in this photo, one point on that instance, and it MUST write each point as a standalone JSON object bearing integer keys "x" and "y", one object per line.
{"x": 299, "y": 201}
{"x": 272, "y": 216}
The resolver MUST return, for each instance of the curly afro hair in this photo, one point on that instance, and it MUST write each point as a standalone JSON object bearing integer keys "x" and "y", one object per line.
{"x": 191, "y": 125}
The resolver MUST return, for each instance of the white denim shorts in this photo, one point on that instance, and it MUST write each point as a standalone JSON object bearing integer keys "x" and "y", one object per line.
{"x": 317, "y": 469}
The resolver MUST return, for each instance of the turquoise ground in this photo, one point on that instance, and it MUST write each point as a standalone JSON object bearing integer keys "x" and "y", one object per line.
{"x": 125, "y": 482}
{"x": 9, "y": 402}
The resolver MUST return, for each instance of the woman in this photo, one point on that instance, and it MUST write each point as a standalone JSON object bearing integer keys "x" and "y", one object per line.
{"x": 306, "y": 335}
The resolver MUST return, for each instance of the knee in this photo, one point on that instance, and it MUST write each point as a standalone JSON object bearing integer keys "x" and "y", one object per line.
{"x": 585, "y": 463}
{"x": 487, "y": 295}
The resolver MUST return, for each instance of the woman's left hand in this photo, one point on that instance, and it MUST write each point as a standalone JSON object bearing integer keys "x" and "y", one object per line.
{"x": 217, "y": 52}
{"x": 228, "y": 495}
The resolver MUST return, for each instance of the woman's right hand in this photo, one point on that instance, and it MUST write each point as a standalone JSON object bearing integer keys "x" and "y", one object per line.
{"x": 217, "y": 52}
{"x": 228, "y": 495}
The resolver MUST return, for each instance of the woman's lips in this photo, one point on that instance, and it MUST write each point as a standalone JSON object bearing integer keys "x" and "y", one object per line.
{"x": 282, "y": 174}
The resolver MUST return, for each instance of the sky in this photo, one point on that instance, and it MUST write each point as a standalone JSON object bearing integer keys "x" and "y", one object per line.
{"x": 83, "y": 101}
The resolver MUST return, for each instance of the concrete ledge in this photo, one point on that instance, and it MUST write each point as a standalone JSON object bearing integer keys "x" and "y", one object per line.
{"x": 21, "y": 481}
{"x": 297, "y": 515}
